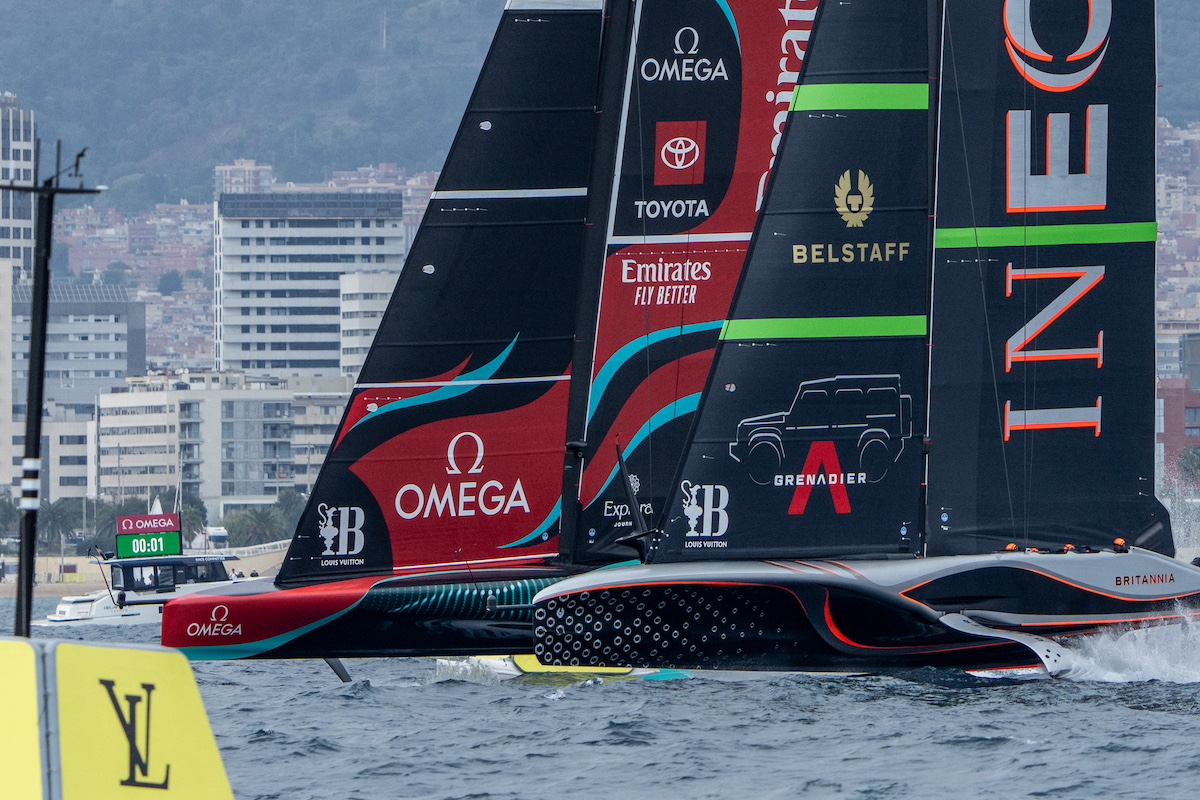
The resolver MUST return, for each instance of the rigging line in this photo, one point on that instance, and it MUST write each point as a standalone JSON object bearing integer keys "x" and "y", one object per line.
{"x": 646, "y": 322}
{"x": 987, "y": 325}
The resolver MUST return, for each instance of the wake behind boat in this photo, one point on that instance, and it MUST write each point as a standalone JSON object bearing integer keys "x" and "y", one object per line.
{"x": 926, "y": 438}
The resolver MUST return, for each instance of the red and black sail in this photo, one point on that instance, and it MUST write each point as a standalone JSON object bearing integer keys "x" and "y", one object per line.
{"x": 450, "y": 450}
{"x": 1042, "y": 367}
{"x": 807, "y": 441}
{"x": 707, "y": 91}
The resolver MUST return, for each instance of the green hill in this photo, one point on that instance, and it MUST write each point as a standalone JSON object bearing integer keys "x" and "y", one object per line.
{"x": 163, "y": 90}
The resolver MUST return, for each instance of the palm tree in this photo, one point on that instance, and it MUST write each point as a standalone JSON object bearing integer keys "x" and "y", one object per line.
{"x": 56, "y": 520}
{"x": 9, "y": 516}
{"x": 290, "y": 505}
{"x": 255, "y": 525}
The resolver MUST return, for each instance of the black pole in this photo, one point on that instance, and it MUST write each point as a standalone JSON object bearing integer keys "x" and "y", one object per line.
{"x": 31, "y": 464}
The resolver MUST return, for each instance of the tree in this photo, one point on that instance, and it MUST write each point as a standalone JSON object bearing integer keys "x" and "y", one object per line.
{"x": 256, "y": 525}
{"x": 115, "y": 274}
{"x": 58, "y": 519}
{"x": 169, "y": 283}
{"x": 10, "y": 516}
{"x": 193, "y": 513}
{"x": 290, "y": 505}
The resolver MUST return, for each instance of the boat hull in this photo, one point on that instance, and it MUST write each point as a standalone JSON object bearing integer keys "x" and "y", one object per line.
{"x": 99, "y": 607}
{"x": 839, "y": 615}
{"x": 431, "y": 613}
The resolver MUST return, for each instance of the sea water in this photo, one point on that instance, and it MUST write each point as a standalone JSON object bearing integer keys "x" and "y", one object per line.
{"x": 1124, "y": 725}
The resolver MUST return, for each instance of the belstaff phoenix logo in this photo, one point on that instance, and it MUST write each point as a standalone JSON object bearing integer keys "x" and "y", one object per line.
{"x": 139, "y": 745}
{"x": 1034, "y": 62}
{"x": 854, "y": 207}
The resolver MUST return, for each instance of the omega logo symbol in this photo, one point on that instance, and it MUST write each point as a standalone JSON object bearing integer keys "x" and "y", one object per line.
{"x": 679, "y": 48}
{"x": 477, "y": 467}
{"x": 1032, "y": 60}
{"x": 219, "y": 614}
{"x": 679, "y": 152}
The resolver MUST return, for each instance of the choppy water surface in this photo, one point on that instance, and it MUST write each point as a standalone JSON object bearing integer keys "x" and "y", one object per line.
{"x": 1126, "y": 726}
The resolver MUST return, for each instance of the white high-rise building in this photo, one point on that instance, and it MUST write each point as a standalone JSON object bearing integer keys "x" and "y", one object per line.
{"x": 279, "y": 258}
{"x": 17, "y": 133}
{"x": 365, "y": 296}
{"x": 232, "y": 440}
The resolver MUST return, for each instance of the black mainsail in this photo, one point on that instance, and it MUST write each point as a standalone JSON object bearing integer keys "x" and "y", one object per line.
{"x": 1040, "y": 418}
{"x": 807, "y": 441}
{"x": 443, "y": 485}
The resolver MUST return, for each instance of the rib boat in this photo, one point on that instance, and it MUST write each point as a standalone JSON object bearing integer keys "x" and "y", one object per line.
{"x": 927, "y": 437}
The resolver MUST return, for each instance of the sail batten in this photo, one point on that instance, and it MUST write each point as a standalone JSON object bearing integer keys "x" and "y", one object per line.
{"x": 1049, "y": 234}
{"x": 860, "y": 96}
{"x": 824, "y": 327}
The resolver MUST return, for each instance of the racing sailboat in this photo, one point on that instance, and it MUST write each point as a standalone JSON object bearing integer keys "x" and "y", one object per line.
{"x": 564, "y": 294}
{"x": 927, "y": 439}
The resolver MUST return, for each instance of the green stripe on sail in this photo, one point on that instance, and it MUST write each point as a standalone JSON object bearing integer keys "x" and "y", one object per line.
{"x": 823, "y": 328}
{"x": 1035, "y": 235}
{"x": 861, "y": 97}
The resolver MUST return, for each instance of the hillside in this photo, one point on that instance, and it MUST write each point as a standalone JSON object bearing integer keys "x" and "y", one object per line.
{"x": 163, "y": 90}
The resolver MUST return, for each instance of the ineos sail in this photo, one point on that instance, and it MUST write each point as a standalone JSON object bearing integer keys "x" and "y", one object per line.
{"x": 708, "y": 88}
{"x": 1040, "y": 418}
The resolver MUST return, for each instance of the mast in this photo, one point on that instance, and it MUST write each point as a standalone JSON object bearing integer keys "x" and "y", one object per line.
{"x": 617, "y": 43}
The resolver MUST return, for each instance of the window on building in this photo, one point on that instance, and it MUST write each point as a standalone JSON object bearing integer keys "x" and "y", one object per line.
{"x": 260, "y": 240}
{"x": 366, "y": 223}
{"x": 260, "y": 259}
{"x": 366, "y": 240}
{"x": 1191, "y": 416}
{"x": 378, "y": 240}
{"x": 380, "y": 259}
{"x": 378, "y": 223}
{"x": 245, "y": 241}
{"x": 245, "y": 223}
{"x": 258, "y": 223}
{"x": 245, "y": 260}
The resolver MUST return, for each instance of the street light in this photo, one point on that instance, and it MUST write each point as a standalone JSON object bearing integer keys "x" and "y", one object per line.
{"x": 31, "y": 463}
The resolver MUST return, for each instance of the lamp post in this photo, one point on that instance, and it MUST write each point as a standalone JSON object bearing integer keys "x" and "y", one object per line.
{"x": 31, "y": 463}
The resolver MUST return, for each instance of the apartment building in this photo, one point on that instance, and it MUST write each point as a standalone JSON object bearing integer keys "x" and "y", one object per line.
{"x": 279, "y": 258}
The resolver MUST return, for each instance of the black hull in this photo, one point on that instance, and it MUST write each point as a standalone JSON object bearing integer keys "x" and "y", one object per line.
{"x": 855, "y": 615}
{"x": 482, "y": 612}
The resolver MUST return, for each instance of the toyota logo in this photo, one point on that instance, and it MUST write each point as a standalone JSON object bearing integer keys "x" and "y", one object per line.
{"x": 680, "y": 152}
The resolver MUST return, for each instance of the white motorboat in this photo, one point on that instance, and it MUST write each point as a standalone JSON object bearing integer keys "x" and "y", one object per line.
{"x": 139, "y": 588}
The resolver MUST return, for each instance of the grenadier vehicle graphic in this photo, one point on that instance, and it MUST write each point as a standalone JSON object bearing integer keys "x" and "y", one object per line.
{"x": 871, "y": 409}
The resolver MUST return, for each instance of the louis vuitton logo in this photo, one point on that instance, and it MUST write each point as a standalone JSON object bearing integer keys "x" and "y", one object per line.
{"x": 139, "y": 755}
